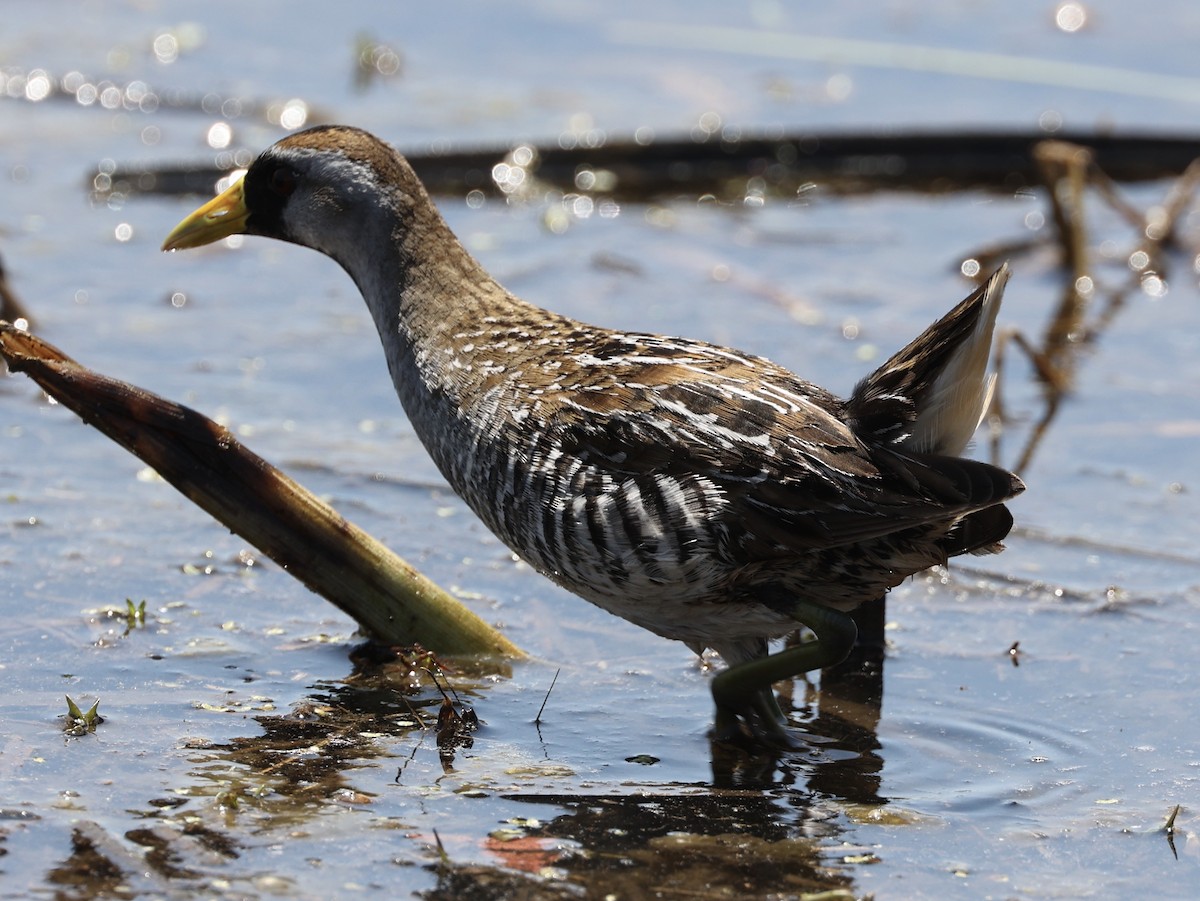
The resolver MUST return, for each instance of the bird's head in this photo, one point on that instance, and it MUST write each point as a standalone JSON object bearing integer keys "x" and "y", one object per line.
{"x": 326, "y": 188}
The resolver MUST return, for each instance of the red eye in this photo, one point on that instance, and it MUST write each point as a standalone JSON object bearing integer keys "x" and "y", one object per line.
{"x": 283, "y": 182}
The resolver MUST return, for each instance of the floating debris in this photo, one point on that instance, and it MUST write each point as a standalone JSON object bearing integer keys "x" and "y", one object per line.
{"x": 728, "y": 166}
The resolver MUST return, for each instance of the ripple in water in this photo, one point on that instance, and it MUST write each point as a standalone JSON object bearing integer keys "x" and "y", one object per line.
{"x": 953, "y": 757}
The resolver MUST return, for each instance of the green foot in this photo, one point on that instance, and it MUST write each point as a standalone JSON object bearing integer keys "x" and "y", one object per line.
{"x": 743, "y": 692}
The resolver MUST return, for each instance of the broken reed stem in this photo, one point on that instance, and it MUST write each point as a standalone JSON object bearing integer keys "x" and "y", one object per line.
{"x": 388, "y": 597}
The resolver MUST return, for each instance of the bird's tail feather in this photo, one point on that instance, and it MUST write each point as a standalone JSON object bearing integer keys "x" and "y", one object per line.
{"x": 930, "y": 396}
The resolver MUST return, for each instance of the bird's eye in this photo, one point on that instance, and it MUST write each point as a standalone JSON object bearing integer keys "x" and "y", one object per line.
{"x": 283, "y": 181}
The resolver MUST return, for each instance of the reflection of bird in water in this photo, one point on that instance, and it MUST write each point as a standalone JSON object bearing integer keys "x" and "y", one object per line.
{"x": 706, "y": 494}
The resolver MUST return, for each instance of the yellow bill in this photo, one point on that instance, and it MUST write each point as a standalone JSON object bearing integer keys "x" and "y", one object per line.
{"x": 224, "y": 215}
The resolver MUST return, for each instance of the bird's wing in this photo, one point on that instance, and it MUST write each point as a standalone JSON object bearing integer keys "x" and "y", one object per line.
{"x": 793, "y": 475}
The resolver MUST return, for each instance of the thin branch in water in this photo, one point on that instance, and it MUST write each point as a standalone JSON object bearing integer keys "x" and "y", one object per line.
{"x": 1169, "y": 829}
{"x": 538, "y": 719}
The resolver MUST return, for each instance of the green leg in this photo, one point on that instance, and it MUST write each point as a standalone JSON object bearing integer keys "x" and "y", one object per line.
{"x": 744, "y": 691}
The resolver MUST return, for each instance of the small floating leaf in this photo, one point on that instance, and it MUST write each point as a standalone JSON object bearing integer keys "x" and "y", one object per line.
{"x": 643, "y": 759}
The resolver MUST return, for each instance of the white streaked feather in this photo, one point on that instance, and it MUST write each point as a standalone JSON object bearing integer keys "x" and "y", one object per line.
{"x": 955, "y": 405}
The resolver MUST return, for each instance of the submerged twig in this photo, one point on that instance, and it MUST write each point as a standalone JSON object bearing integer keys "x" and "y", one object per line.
{"x": 387, "y": 596}
{"x": 444, "y": 863}
{"x": 1064, "y": 168}
{"x": 538, "y": 719}
{"x": 1068, "y": 170}
{"x": 727, "y": 163}
{"x": 1169, "y": 829}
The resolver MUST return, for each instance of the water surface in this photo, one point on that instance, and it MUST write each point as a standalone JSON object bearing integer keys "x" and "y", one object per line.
{"x": 244, "y": 751}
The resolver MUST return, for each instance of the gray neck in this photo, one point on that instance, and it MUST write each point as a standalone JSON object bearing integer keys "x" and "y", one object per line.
{"x": 433, "y": 305}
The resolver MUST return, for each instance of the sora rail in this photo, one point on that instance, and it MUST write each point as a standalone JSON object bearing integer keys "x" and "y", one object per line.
{"x": 703, "y": 493}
